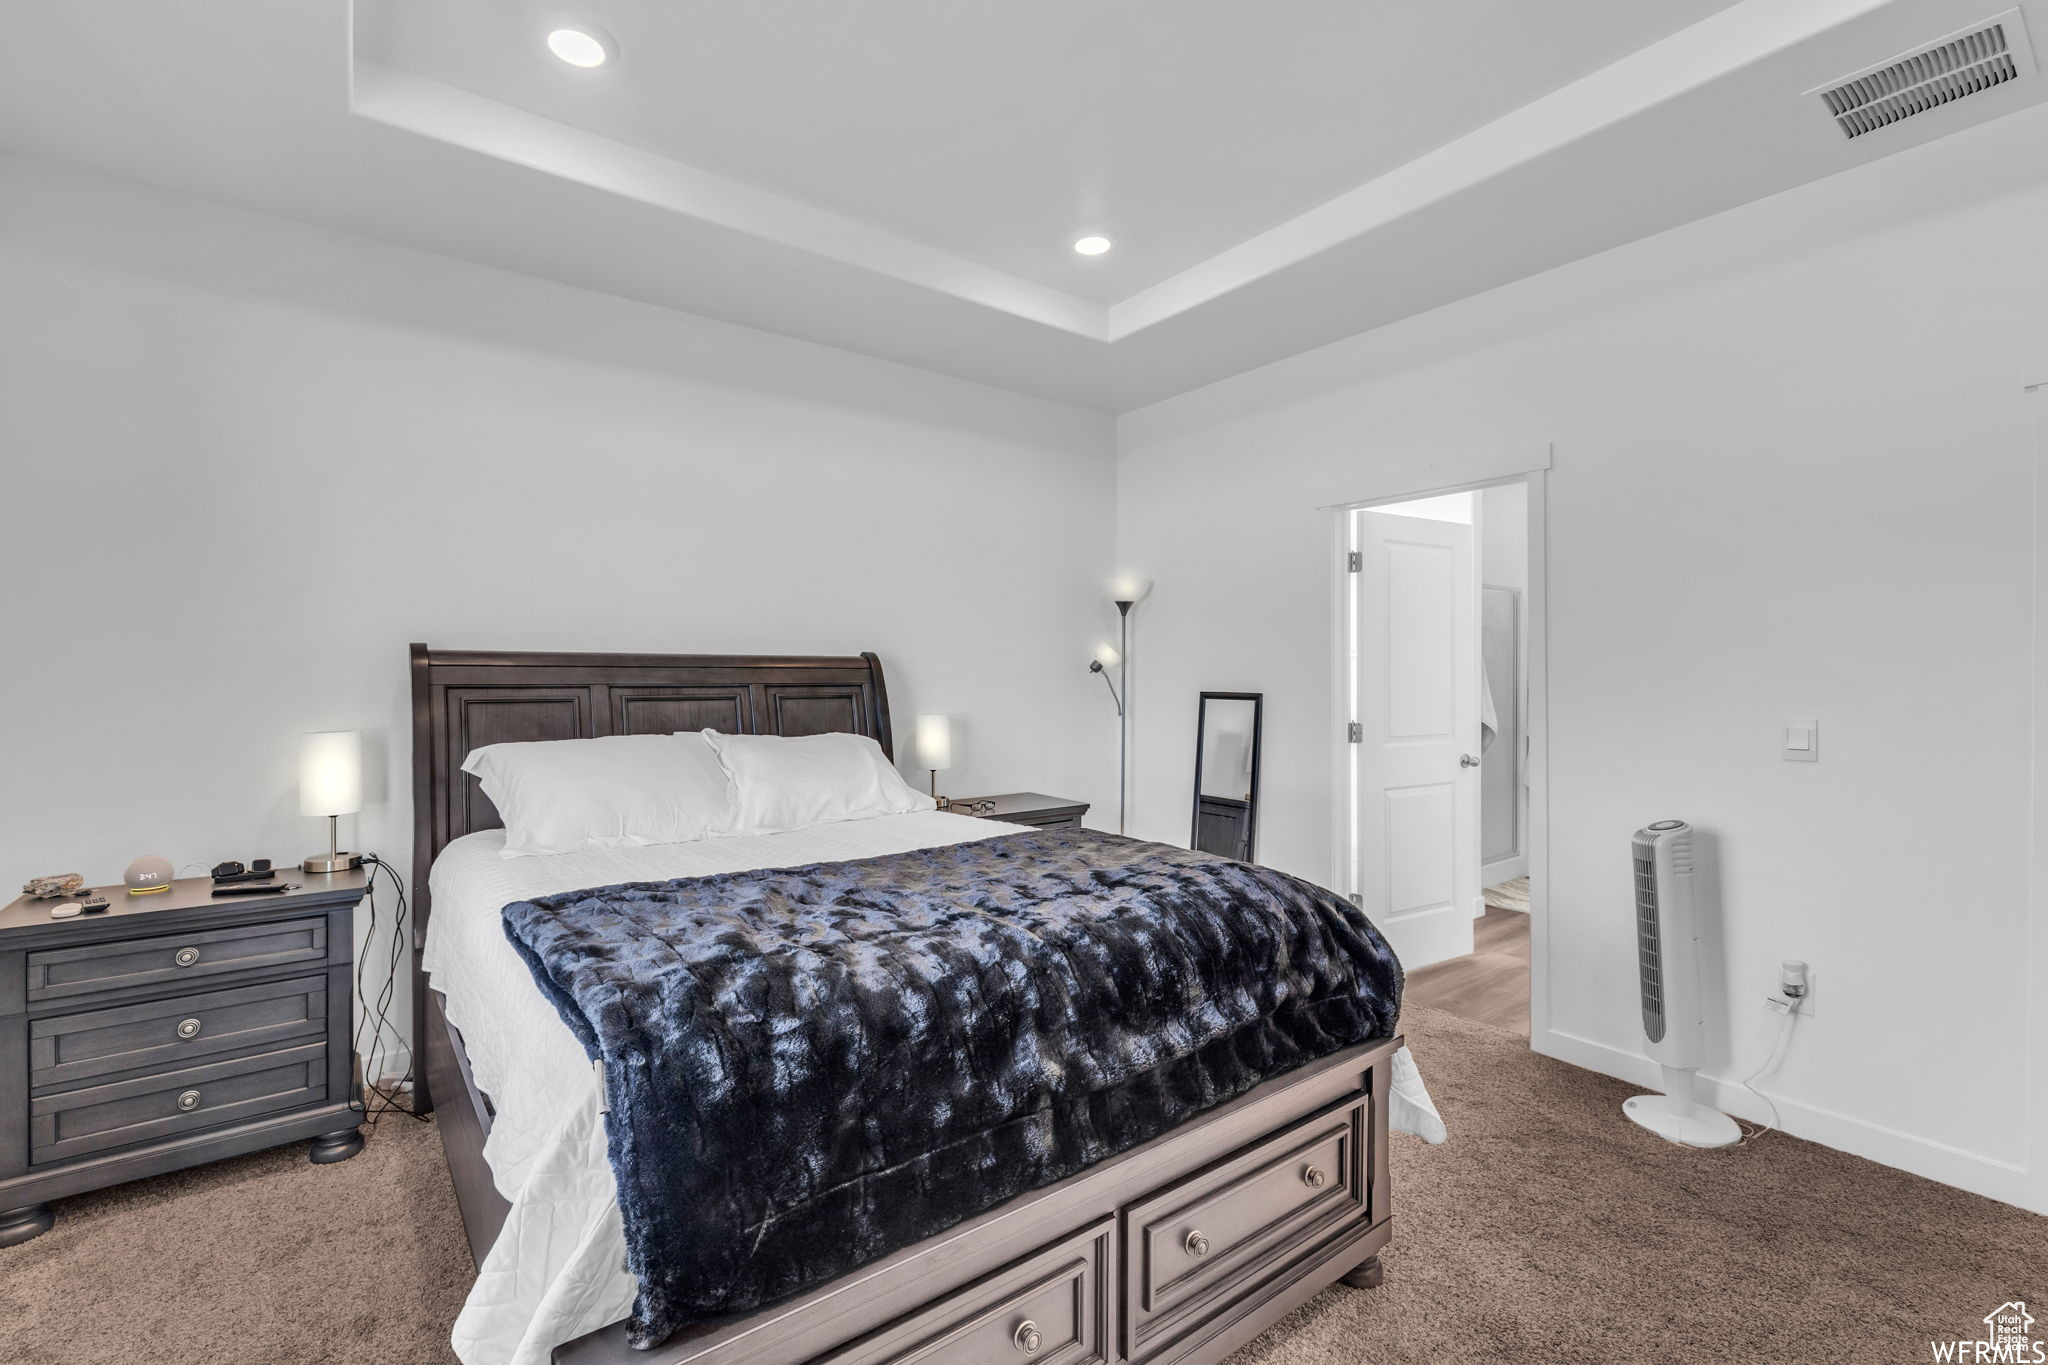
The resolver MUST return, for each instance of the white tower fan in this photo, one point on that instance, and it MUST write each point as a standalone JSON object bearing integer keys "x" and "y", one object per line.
{"x": 1674, "y": 1019}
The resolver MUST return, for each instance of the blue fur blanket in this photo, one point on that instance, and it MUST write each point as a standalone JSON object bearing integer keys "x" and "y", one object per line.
{"x": 808, "y": 1068}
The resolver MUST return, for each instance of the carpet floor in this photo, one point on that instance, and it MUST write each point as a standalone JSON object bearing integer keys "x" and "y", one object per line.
{"x": 1547, "y": 1230}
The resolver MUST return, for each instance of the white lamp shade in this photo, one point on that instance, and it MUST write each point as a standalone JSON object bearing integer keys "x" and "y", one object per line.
{"x": 1128, "y": 587}
{"x": 331, "y": 773}
{"x": 1107, "y": 656}
{"x": 935, "y": 742}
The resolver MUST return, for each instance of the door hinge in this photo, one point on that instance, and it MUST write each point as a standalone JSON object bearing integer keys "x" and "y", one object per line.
{"x": 1355, "y": 733}
{"x": 1355, "y": 562}
{"x": 1357, "y": 898}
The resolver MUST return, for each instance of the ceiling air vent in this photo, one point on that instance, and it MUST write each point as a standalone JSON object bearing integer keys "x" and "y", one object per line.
{"x": 1995, "y": 52}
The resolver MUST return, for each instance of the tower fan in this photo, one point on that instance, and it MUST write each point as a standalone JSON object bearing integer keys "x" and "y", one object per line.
{"x": 1674, "y": 1021}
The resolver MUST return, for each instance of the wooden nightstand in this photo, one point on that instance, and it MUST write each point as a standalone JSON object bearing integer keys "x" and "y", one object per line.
{"x": 1026, "y": 808}
{"x": 174, "y": 1029}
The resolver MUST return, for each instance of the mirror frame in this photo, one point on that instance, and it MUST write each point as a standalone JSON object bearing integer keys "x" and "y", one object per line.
{"x": 1251, "y": 829}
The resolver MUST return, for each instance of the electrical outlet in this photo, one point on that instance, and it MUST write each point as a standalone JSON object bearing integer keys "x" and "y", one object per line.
{"x": 1776, "y": 1001}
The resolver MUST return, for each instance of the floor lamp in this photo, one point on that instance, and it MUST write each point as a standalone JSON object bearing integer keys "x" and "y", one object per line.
{"x": 1126, "y": 592}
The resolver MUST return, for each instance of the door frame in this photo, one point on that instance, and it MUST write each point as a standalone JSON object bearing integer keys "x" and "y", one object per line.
{"x": 2033, "y": 1187}
{"x": 1528, "y": 465}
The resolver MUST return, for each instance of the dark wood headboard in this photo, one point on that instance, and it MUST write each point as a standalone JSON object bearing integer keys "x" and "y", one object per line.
{"x": 463, "y": 700}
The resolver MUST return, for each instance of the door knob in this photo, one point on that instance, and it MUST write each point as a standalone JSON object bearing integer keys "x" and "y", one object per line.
{"x": 1467, "y": 761}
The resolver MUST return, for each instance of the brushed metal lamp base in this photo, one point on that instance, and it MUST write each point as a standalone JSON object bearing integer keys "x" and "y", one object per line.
{"x": 334, "y": 859}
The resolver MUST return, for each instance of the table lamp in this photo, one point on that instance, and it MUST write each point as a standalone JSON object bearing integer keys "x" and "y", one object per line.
{"x": 331, "y": 784}
{"x": 935, "y": 749}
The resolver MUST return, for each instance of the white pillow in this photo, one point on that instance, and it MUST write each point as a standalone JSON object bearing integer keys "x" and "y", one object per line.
{"x": 616, "y": 791}
{"x": 782, "y": 784}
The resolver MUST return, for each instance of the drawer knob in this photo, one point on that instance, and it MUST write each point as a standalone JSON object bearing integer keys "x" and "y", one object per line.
{"x": 188, "y": 1028}
{"x": 1314, "y": 1177}
{"x": 188, "y": 1100}
{"x": 1197, "y": 1245}
{"x": 185, "y": 957}
{"x": 1028, "y": 1340}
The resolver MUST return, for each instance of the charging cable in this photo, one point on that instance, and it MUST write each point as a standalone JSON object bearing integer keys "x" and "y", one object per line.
{"x": 376, "y": 1016}
{"x": 1791, "y": 1013}
{"x": 1792, "y": 985}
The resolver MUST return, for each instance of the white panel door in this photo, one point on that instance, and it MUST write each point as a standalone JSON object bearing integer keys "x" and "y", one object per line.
{"x": 1417, "y": 683}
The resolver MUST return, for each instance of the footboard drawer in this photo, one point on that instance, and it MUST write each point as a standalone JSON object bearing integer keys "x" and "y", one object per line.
{"x": 1054, "y": 1307}
{"x": 1200, "y": 1245}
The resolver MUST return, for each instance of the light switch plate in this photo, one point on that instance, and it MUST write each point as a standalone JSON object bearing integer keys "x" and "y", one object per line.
{"x": 1792, "y": 731}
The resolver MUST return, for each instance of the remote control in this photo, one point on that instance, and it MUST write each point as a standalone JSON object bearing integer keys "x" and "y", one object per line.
{"x": 254, "y": 889}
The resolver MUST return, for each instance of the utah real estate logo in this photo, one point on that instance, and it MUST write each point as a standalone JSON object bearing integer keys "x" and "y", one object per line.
{"x": 2008, "y": 1336}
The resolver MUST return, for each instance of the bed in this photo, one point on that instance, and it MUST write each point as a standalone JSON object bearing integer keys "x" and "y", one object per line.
{"x": 1177, "y": 1250}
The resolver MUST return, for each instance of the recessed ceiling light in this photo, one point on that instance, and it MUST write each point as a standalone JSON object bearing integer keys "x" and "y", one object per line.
{"x": 585, "y": 46}
{"x": 1093, "y": 246}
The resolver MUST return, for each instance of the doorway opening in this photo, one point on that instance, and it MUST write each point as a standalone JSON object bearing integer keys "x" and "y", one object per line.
{"x": 1442, "y": 741}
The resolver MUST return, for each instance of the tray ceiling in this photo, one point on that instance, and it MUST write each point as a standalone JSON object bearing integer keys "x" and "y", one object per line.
{"x": 905, "y": 177}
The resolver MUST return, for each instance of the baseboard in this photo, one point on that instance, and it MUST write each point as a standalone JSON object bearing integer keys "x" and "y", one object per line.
{"x": 395, "y": 1063}
{"x": 1504, "y": 869}
{"x": 2004, "y": 1181}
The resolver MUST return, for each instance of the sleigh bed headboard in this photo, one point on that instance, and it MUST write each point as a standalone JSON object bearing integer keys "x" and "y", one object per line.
{"x": 464, "y": 699}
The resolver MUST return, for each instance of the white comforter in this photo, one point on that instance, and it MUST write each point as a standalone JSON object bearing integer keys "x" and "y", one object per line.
{"x": 558, "y": 1269}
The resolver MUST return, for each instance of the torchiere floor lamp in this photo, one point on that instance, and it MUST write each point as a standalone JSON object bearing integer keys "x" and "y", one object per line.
{"x": 1126, "y": 591}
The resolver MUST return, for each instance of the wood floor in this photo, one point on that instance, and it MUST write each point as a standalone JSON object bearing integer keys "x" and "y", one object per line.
{"x": 1492, "y": 985}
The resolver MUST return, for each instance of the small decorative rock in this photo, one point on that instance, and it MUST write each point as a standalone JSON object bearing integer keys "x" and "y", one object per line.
{"x": 49, "y": 888}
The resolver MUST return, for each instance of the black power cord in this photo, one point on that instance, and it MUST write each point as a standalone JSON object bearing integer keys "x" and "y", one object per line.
{"x": 396, "y": 1097}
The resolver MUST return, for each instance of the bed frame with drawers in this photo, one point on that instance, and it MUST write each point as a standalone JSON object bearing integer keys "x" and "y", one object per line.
{"x": 1176, "y": 1252}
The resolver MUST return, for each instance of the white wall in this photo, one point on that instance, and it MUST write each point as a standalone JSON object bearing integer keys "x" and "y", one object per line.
{"x": 247, "y": 461}
{"x": 1793, "y": 475}
{"x": 1504, "y": 536}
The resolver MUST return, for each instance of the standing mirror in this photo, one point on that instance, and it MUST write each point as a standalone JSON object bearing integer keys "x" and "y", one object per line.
{"x": 1227, "y": 774}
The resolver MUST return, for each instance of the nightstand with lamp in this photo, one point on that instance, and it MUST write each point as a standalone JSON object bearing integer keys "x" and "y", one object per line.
{"x": 183, "y": 1027}
{"x": 936, "y": 737}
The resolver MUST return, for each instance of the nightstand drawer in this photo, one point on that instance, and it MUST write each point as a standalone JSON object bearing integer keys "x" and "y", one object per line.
{"x": 1041, "y": 821}
{"x": 70, "y": 1048}
{"x": 56, "y": 973}
{"x": 72, "y": 1123}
